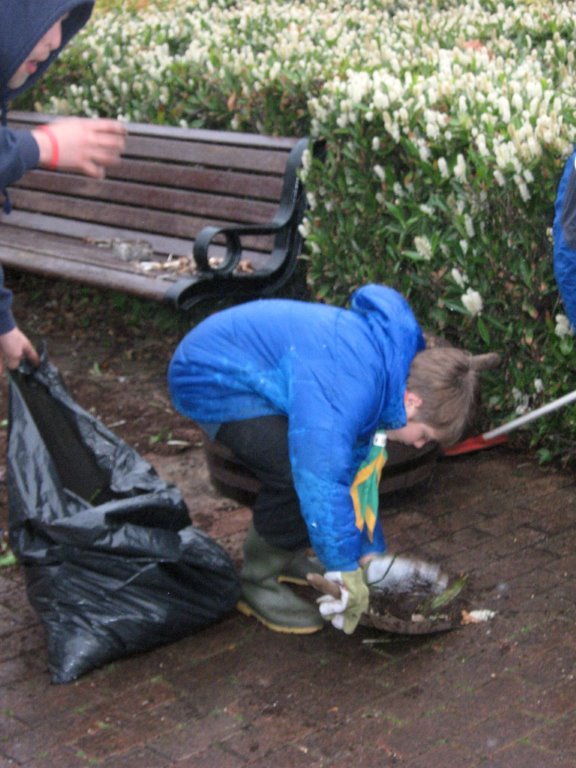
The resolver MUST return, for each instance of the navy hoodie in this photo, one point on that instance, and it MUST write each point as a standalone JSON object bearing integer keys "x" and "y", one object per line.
{"x": 24, "y": 23}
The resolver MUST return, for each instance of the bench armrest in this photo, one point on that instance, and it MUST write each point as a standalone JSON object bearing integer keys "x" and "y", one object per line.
{"x": 288, "y": 209}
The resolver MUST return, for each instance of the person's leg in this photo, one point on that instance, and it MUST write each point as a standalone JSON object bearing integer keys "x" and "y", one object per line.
{"x": 262, "y": 445}
{"x": 275, "y": 546}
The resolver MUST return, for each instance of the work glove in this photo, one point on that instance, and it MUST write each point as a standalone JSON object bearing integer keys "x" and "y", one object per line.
{"x": 397, "y": 574}
{"x": 344, "y": 612}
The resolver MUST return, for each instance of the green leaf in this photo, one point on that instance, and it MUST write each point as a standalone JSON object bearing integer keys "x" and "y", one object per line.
{"x": 483, "y": 331}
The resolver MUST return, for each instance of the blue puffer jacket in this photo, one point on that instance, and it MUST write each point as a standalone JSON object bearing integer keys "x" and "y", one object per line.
{"x": 337, "y": 374}
{"x": 24, "y": 23}
{"x": 564, "y": 233}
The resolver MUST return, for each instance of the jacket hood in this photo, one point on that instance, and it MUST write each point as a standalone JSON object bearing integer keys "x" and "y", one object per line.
{"x": 396, "y": 331}
{"x": 24, "y": 22}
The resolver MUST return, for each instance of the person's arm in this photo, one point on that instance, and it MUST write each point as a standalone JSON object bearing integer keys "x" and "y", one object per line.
{"x": 84, "y": 145}
{"x": 328, "y": 416}
{"x": 14, "y": 345}
{"x": 19, "y": 153}
{"x": 14, "y": 348}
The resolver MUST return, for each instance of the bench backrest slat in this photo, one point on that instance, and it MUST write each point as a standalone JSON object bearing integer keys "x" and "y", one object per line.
{"x": 43, "y": 186}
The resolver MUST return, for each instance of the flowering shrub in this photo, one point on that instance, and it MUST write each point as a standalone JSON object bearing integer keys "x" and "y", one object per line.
{"x": 446, "y": 126}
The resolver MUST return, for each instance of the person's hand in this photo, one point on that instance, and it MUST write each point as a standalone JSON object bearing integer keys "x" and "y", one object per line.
{"x": 79, "y": 144}
{"x": 14, "y": 347}
{"x": 397, "y": 574}
{"x": 344, "y": 612}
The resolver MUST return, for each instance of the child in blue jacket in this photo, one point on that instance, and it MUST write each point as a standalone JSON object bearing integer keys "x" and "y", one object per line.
{"x": 298, "y": 391}
{"x": 32, "y": 35}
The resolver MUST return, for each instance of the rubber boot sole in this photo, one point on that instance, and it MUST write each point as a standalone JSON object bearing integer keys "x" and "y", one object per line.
{"x": 247, "y": 610}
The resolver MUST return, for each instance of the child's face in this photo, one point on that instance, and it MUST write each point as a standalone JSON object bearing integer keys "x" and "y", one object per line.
{"x": 415, "y": 433}
{"x": 43, "y": 48}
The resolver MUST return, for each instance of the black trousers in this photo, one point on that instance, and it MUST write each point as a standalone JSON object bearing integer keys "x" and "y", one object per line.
{"x": 261, "y": 444}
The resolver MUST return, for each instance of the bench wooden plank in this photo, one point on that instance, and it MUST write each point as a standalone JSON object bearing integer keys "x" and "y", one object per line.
{"x": 59, "y": 187}
{"x": 233, "y": 183}
{"x": 94, "y": 245}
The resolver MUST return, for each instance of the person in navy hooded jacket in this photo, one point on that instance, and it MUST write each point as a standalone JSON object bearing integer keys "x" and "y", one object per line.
{"x": 305, "y": 395}
{"x": 32, "y": 35}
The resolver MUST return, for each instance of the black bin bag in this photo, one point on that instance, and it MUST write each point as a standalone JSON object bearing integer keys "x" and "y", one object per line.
{"x": 112, "y": 562}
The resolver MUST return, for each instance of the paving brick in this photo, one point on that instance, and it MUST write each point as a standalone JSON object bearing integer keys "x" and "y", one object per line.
{"x": 522, "y": 755}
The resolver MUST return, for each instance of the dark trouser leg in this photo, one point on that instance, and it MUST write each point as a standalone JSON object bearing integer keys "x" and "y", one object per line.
{"x": 274, "y": 550}
{"x": 262, "y": 445}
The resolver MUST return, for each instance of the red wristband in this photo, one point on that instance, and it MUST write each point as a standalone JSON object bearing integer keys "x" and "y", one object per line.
{"x": 52, "y": 164}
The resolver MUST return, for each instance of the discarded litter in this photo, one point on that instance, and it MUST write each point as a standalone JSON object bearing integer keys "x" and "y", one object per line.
{"x": 478, "y": 616}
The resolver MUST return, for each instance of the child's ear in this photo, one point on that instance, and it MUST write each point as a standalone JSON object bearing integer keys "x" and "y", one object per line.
{"x": 412, "y": 402}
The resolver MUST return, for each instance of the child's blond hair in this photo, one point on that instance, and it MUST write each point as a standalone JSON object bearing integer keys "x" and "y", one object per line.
{"x": 446, "y": 380}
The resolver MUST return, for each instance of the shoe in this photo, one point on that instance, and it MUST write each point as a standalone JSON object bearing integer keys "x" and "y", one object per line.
{"x": 265, "y": 598}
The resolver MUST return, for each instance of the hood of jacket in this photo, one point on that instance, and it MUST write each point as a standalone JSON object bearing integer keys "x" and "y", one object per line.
{"x": 397, "y": 332}
{"x": 24, "y": 23}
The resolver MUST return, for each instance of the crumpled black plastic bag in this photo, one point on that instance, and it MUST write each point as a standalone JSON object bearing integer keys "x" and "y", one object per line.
{"x": 113, "y": 565}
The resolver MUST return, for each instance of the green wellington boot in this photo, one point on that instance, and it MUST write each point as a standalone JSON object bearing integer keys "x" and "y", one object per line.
{"x": 265, "y": 598}
{"x": 299, "y": 566}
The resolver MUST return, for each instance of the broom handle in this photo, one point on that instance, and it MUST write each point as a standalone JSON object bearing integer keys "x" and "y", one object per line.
{"x": 553, "y": 406}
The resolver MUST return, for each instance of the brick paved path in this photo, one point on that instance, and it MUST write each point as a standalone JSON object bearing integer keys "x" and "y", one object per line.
{"x": 496, "y": 695}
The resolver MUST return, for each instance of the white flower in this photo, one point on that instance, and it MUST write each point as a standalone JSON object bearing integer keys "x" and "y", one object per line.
{"x": 460, "y": 168}
{"x": 423, "y": 247}
{"x": 522, "y": 401}
{"x": 459, "y": 278}
{"x": 443, "y": 168}
{"x": 563, "y": 327}
{"x": 472, "y": 301}
{"x": 539, "y": 386}
{"x": 504, "y": 108}
{"x": 379, "y": 171}
{"x": 304, "y": 228}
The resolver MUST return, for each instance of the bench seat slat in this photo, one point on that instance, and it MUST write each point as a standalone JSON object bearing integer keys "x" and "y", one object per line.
{"x": 92, "y": 240}
{"x": 86, "y": 262}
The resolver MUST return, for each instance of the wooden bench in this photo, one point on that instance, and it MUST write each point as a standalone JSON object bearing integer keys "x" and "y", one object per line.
{"x": 187, "y": 215}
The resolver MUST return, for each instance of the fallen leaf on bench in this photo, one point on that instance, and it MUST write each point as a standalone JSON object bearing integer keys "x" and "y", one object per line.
{"x": 244, "y": 265}
{"x": 181, "y": 264}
